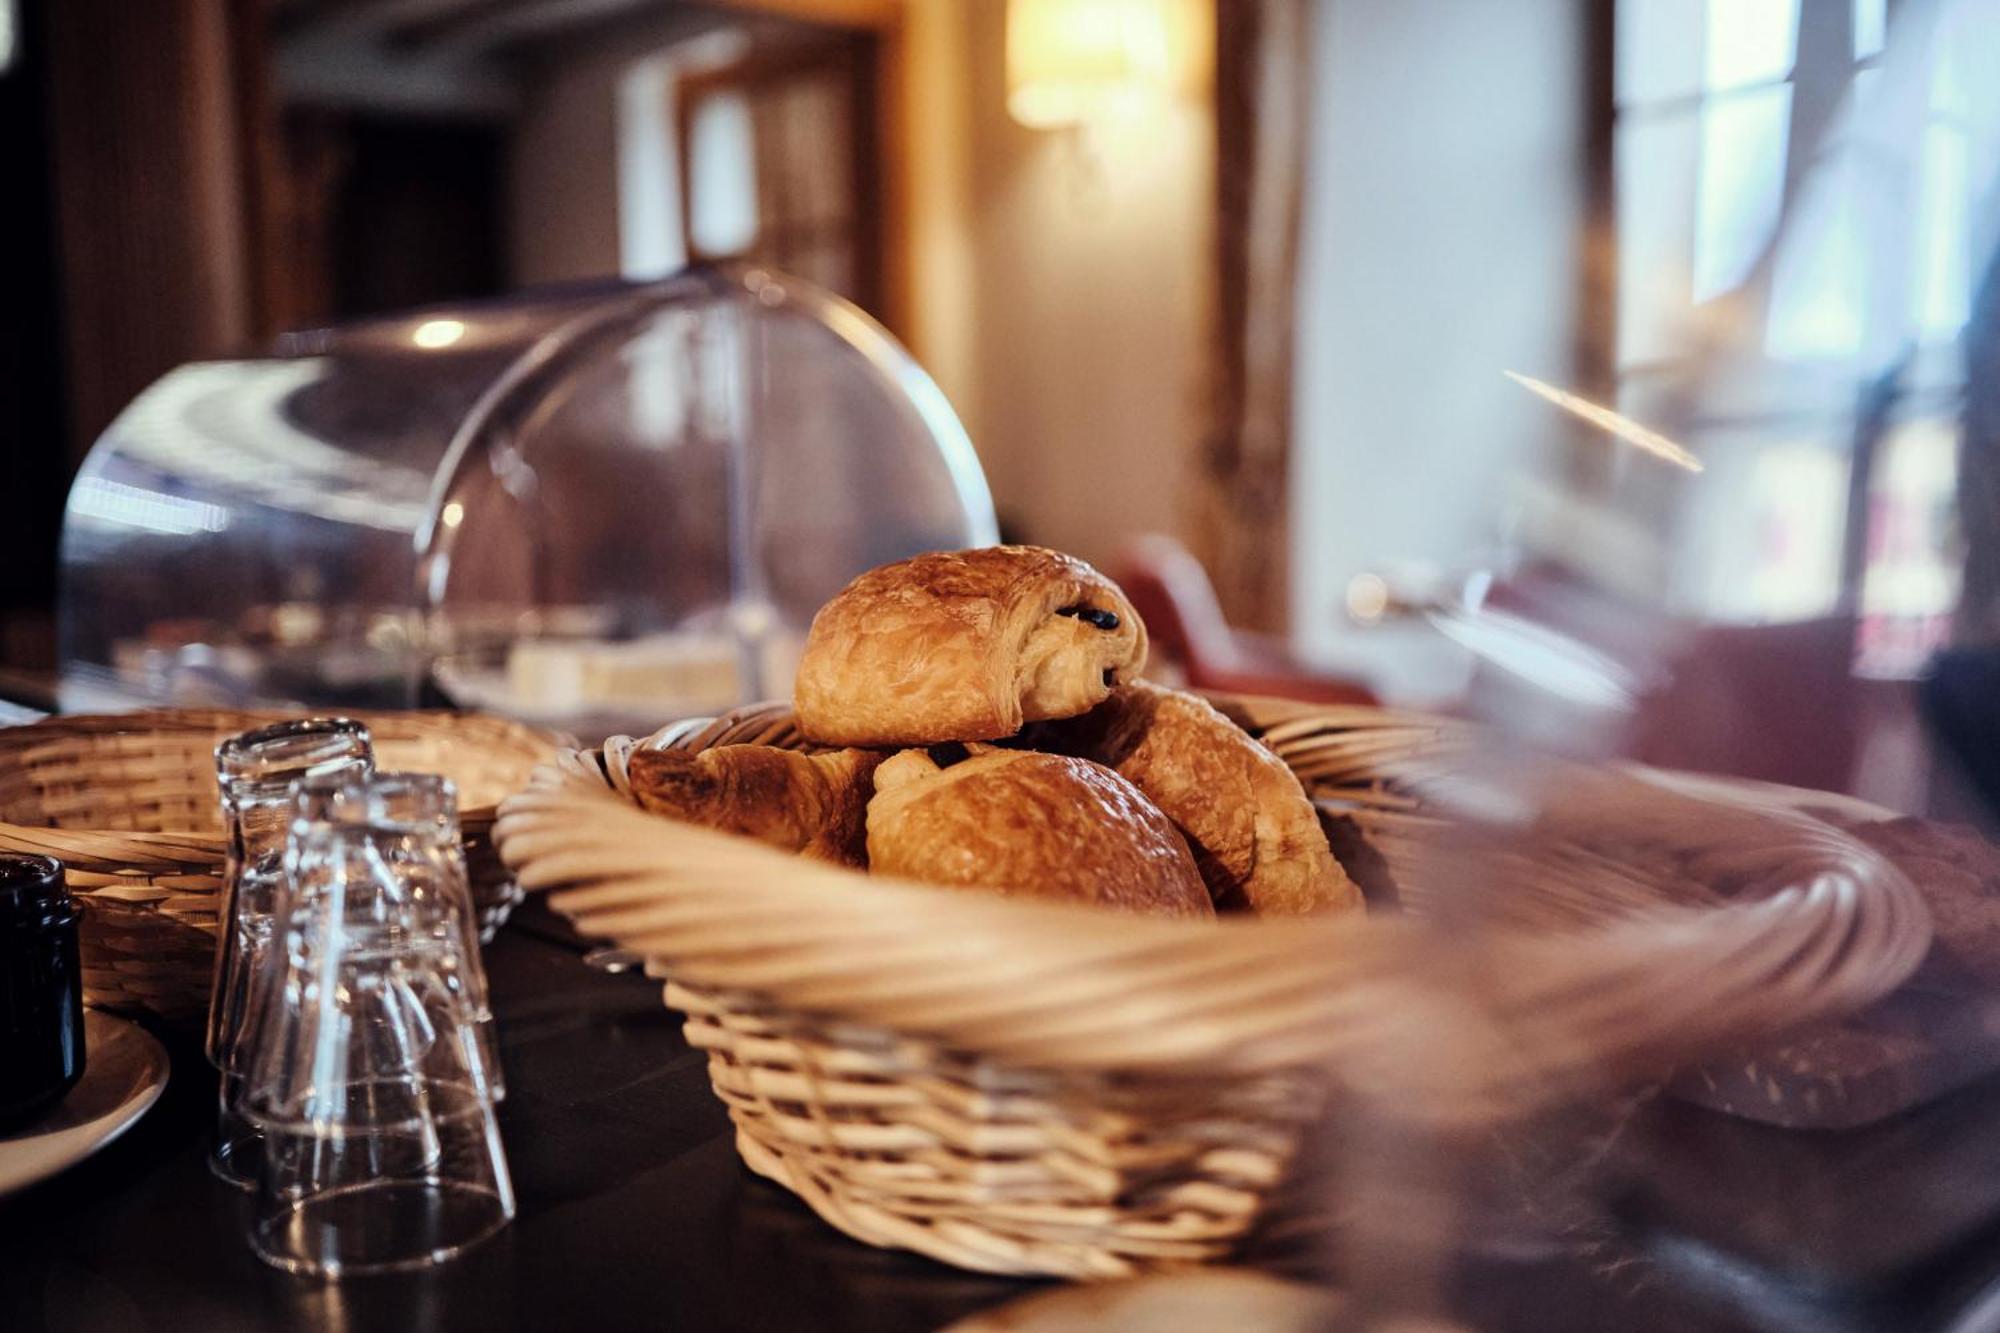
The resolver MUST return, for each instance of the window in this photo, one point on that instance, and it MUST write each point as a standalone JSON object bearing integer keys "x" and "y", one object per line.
{"x": 1704, "y": 97}
{"x": 1804, "y": 212}
{"x": 778, "y": 154}
{"x": 1907, "y": 591}
{"x": 736, "y": 148}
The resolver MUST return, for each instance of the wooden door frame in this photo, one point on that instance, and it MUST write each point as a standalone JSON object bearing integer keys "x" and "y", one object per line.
{"x": 855, "y": 52}
{"x": 883, "y": 21}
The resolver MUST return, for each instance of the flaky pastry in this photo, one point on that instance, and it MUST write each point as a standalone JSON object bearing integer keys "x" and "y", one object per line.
{"x": 1033, "y": 826}
{"x": 1255, "y": 836}
{"x": 964, "y": 646}
{"x": 815, "y": 805}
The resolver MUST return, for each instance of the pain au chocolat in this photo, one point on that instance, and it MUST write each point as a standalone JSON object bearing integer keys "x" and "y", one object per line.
{"x": 1032, "y": 826}
{"x": 964, "y": 646}
{"x": 815, "y": 805}
{"x": 1255, "y": 836}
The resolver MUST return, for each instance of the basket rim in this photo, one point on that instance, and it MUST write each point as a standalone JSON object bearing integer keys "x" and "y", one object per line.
{"x": 1061, "y": 985}
{"x": 186, "y": 721}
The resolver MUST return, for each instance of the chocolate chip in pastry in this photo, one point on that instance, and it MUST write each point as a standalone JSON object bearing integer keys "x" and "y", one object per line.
{"x": 1255, "y": 835}
{"x": 815, "y": 805}
{"x": 964, "y": 646}
{"x": 1032, "y": 826}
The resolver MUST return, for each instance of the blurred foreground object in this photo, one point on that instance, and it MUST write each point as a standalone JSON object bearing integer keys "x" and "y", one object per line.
{"x": 1228, "y": 1299}
{"x": 1769, "y": 495}
{"x": 1961, "y": 698}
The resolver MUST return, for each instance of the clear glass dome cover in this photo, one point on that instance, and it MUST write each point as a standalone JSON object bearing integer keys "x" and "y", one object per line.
{"x": 590, "y": 507}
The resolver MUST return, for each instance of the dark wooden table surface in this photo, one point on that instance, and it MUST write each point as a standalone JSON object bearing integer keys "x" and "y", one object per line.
{"x": 633, "y": 1209}
{"x": 634, "y": 1212}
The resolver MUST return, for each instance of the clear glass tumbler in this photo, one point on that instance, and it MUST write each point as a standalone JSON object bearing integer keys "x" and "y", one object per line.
{"x": 415, "y": 835}
{"x": 255, "y": 772}
{"x": 372, "y": 1077}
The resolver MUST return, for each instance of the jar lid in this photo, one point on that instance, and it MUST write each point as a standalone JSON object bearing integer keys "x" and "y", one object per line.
{"x": 31, "y": 887}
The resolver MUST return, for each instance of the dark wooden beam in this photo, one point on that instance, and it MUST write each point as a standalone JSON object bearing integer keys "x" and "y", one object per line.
{"x": 153, "y": 188}
{"x": 870, "y": 14}
{"x": 473, "y": 29}
{"x": 1263, "y": 110}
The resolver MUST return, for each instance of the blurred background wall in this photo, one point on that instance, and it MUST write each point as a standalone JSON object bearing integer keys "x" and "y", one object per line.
{"x": 1059, "y": 288}
{"x": 301, "y": 161}
{"x": 1087, "y": 355}
{"x": 1444, "y": 234}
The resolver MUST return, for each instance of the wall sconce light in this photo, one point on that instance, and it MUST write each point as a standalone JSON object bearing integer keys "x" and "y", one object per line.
{"x": 1075, "y": 62}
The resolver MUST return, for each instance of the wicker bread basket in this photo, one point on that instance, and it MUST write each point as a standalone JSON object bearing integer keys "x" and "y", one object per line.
{"x": 128, "y": 803}
{"x": 1028, "y": 1087}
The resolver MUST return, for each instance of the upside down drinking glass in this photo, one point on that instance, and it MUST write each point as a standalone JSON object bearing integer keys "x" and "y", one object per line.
{"x": 413, "y": 848}
{"x": 255, "y": 772}
{"x": 372, "y": 1076}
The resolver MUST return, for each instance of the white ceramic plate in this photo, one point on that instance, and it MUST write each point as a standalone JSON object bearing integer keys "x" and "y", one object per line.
{"x": 124, "y": 1071}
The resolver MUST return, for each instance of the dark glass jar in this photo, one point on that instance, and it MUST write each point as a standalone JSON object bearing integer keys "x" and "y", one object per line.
{"x": 41, "y": 989}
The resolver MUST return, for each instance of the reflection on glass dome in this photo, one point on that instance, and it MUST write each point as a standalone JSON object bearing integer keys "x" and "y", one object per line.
{"x": 593, "y": 508}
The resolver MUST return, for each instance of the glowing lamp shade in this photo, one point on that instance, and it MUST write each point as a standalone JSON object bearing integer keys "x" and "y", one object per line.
{"x": 1070, "y": 62}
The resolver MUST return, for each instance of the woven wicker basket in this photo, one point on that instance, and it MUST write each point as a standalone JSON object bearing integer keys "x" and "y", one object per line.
{"x": 128, "y": 802}
{"x": 1027, "y": 1087}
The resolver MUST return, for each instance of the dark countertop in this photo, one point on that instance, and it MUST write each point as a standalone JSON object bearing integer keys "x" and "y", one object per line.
{"x": 634, "y": 1211}
{"x": 632, "y": 1207}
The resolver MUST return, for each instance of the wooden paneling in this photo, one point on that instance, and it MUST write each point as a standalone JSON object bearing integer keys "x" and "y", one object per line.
{"x": 834, "y": 13}
{"x": 895, "y": 119}
{"x": 33, "y": 469}
{"x": 155, "y": 183}
{"x": 1596, "y": 366}
{"x": 1263, "y": 85}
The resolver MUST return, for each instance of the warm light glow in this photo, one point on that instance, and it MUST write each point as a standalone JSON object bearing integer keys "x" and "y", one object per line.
{"x": 454, "y": 514}
{"x": 1622, "y": 427}
{"x": 1070, "y": 62}
{"x": 1367, "y": 598}
{"x": 435, "y": 333}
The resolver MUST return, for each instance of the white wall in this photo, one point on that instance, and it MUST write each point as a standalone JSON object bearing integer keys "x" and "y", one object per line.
{"x": 1060, "y": 290}
{"x": 1063, "y": 291}
{"x": 1441, "y": 246}
{"x": 564, "y": 199}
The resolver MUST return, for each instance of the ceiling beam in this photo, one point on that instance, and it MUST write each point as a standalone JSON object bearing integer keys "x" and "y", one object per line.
{"x": 493, "y": 23}
{"x": 871, "y": 14}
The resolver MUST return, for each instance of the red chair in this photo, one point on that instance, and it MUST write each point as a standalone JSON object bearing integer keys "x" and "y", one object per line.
{"x": 1775, "y": 702}
{"x": 1172, "y": 592}
{"x": 1779, "y": 703}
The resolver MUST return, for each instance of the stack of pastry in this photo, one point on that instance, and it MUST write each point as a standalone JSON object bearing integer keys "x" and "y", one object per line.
{"x": 984, "y": 726}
